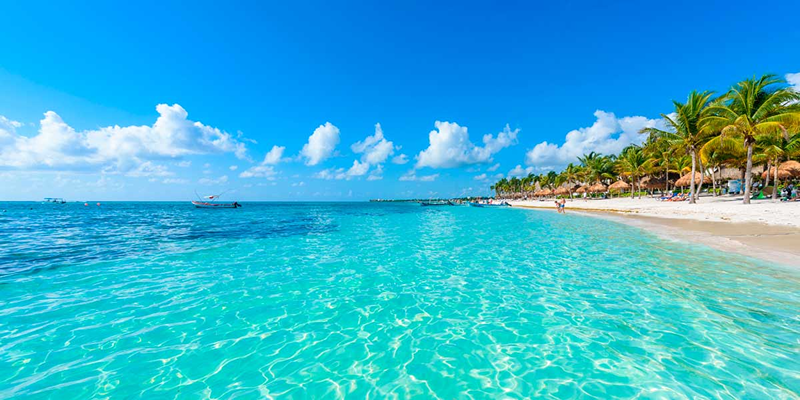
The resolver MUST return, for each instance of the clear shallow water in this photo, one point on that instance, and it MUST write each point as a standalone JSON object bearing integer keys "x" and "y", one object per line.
{"x": 159, "y": 300}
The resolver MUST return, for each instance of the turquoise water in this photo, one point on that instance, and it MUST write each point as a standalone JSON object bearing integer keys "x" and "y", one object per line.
{"x": 160, "y": 300}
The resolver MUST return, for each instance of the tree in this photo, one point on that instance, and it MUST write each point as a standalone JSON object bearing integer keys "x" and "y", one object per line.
{"x": 751, "y": 109}
{"x": 634, "y": 163}
{"x": 685, "y": 132}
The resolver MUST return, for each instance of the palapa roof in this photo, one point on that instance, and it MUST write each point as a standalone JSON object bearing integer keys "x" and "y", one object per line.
{"x": 597, "y": 188}
{"x": 619, "y": 185}
{"x": 787, "y": 169}
{"x": 546, "y": 192}
{"x": 649, "y": 182}
{"x": 686, "y": 180}
{"x": 561, "y": 190}
{"x": 582, "y": 189}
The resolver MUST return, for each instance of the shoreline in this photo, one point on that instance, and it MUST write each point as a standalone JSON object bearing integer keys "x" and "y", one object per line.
{"x": 774, "y": 243}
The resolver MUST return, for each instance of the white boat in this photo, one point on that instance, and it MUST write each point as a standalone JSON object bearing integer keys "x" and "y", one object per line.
{"x": 210, "y": 202}
{"x": 56, "y": 200}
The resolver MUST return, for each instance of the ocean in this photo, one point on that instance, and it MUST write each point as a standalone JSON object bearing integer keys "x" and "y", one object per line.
{"x": 380, "y": 300}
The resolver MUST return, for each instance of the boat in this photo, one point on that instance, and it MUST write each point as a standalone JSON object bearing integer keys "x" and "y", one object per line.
{"x": 436, "y": 203}
{"x": 210, "y": 202}
{"x": 475, "y": 204}
{"x": 206, "y": 204}
{"x": 502, "y": 204}
{"x": 56, "y": 200}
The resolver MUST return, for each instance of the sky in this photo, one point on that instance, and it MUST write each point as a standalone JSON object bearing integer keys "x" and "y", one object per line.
{"x": 333, "y": 101}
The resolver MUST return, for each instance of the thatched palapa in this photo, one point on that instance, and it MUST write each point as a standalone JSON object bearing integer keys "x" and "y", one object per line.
{"x": 619, "y": 186}
{"x": 597, "y": 188}
{"x": 686, "y": 180}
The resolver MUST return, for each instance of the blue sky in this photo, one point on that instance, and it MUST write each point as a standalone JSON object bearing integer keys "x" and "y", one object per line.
{"x": 81, "y": 85}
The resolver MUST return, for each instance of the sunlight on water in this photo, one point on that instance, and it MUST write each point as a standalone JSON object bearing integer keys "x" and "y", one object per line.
{"x": 380, "y": 300}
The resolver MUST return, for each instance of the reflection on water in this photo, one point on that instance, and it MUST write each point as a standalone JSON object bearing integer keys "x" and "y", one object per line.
{"x": 315, "y": 300}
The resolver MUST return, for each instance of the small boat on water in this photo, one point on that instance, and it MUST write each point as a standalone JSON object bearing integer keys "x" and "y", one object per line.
{"x": 435, "y": 203}
{"x": 502, "y": 204}
{"x": 210, "y": 202}
{"x": 475, "y": 204}
{"x": 56, "y": 200}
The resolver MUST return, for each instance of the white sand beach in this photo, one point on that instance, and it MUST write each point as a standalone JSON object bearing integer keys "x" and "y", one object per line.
{"x": 765, "y": 229}
{"x": 723, "y": 208}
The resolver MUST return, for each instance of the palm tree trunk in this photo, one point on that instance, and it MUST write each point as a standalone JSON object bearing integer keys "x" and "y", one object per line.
{"x": 766, "y": 182}
{"x": 714, "y": 181}
{"x": 702, "y": 176}
{"x": 748, "y": 173}
{"x": 691, "y": 181}
{"x": 775, "y": 189}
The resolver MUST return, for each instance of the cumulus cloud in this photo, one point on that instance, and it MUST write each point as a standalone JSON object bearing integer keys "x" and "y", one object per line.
{"x": 376, "y": 174}
{"x": 794, "y": 80}
{"x": 358, "y": 169}
{"x": 274, "y": 156}
{"x": 233, "y": 167}
{"x": 412, "y": 176}
{"x": 321, "y": 144}
{"x": 608, "y": 135}
{"x": 450, "y": 146}
{"x": 400, "y": 159}
{"x": 519, "y": 171}
{"x": 480, "y": 177}
{"x": 259, "y": 171}
{"x": 115, "y": 148}
{"x": 493, "y": 168}
{"x": 375, "y": 149}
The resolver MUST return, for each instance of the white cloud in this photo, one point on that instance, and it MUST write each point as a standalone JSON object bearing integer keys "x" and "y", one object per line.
{"x": 259, "y": 171}
{"x": 149, "y": 169}
{"x": 208, "y": 181}
{"x": 274, "y": 156}
{"x": 233, "y": 167}
{"x": 400, "y": 159}
{"x": 114, "y": 148}
{"x": 450, "y": 146}
{"x": 794, "y": 80}
{"x": 375, "y": 149}
{"x": 184, "y": 164}
{"x": 608, "y": 135}
{"x": 518, "y": 171}
{"x": 321, "y": 144}
{"x": 493, "y": 167}
{"x": 358, "y": 169}
{"x": 376, "y": 174}
{"x": 175, "y": 181}
{"x": 480, "y": 177}
{"x": 297, "y": 184}
{"x": 412, "y": 176}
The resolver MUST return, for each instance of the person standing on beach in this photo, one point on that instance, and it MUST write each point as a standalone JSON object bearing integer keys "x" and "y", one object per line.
{"x": 558, "y": 207}
{"x": 563, "y": 206}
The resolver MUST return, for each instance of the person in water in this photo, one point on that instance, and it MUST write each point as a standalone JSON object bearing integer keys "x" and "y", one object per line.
{"x": 558, "y": 207}
{"x": 563, "y": 205}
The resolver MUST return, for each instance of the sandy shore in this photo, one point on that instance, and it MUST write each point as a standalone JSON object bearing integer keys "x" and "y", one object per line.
{"x": 765, "y": 229}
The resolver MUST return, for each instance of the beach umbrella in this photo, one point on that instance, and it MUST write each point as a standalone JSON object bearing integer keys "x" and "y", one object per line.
{"x": 547, "y": 192}
{"x": 582, "y": 189}
{"x": 561, "y": 191}
{"x": 787, "y": 169}
{"x": 687, "y": 179}
{"x": 653, "y": 183}
{"x": 597, "y": 188}
{"x": 619, "y": 185}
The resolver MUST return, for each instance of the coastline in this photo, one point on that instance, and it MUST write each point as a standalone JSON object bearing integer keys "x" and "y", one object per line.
{"x": 772, "y": 239}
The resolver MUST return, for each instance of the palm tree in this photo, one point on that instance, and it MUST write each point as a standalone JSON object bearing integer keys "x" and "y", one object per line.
{"x": 570, "y": 175}
{"x": 754, "y": 108}
{"x": 775, "y": 148}
{"x": 661, "y": 151}
{"x": 634, "y": 163}
{"x": 686, "y": 132}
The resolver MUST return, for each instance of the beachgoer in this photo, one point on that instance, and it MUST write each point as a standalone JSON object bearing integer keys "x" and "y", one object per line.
{"x": 563, "y": 206}
{"x": 558, "y": 207}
